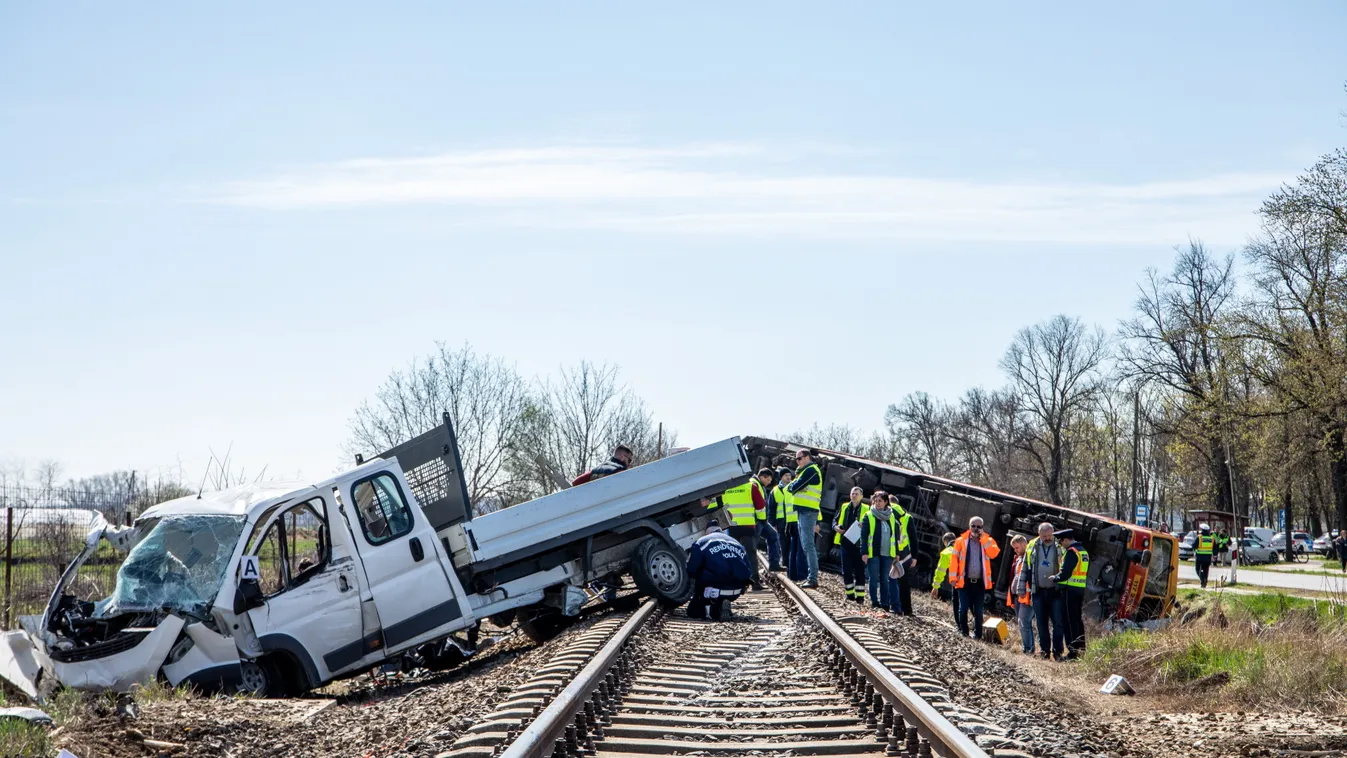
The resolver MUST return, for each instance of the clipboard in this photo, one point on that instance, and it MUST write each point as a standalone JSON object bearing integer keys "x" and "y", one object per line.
{"x": 853, "y": 532}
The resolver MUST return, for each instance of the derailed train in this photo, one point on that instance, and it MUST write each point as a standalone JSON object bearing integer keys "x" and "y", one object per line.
{"x": 1133, "y": 569}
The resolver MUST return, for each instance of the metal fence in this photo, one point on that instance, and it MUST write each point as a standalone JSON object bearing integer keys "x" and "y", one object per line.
{"x": 43, "y": 529}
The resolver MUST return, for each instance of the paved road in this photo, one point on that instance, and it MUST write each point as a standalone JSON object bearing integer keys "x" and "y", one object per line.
{"x": 1256, "y": 578}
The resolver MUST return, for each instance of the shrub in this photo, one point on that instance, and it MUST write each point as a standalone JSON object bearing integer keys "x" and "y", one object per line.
{"x": 1264, "y": 650}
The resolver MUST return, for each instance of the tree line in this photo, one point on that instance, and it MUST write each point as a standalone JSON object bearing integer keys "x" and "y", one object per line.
{"x": 1226, "y": 388}
{"x": 518, "y": 438}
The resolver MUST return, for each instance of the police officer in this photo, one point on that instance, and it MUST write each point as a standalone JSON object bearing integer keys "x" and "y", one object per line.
{"x": 718, "y": 566}
{"x": 853, "y": 569}
{"x": 1071, "y": 582}
{"x": 1202, "y": 552}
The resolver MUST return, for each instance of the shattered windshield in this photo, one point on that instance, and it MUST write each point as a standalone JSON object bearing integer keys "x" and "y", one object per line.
{"x": 179, "y": 565}
{"x": 1157, "y": 579}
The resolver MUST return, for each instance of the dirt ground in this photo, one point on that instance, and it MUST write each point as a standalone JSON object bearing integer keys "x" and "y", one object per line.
{"x": 1057, "y": 707}
{"x": 413, "y": 716}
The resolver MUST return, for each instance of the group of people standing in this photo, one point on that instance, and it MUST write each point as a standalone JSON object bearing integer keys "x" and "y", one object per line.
{"x": 781, "y": 508}
{"x": 875, "y": 547}
{"x": 1047, "y": 587}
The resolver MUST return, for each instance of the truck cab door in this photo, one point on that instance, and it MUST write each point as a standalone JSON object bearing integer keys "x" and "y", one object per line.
{"x": 309, "y": 604}
{"x": 406, "y": 570}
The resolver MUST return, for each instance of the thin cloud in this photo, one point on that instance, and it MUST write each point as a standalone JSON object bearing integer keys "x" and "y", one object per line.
{"x": 732, "y": 188}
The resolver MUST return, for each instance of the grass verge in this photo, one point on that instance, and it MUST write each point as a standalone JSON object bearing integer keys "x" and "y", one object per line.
{"x": 68, "y": 708}
{"x": 1258, "y": 650}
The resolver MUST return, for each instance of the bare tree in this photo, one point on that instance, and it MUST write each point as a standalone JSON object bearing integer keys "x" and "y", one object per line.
{"x": 1054, "y": 369}
{"x": 574, "y": 422}
{"x": 1178, "y": 340}
{"x": 486, "y": 399}
{"x": 1296, "y": 323}
{"x": 920, "y": 424}
{"x": 839, "y": 437}
{"x": 983, "y": 435}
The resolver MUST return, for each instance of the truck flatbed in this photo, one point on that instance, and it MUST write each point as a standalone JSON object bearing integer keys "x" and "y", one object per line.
{"x": 546, "y": 523}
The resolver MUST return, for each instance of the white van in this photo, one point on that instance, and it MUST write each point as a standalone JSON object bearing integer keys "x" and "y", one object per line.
{"x": 1261, "y": 534}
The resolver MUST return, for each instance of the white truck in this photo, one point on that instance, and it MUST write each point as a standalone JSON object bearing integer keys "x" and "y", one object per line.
{"x": 280, "y": 588}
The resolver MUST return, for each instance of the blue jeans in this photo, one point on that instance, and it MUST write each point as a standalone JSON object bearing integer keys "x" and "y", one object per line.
{"x": 795, "y": 563}
{"x": 768, "y": 533}
{"x": 883, "y": 590}
{"x": 808, "y": 518}
{"x": 1048, "y": 615}
{"x": 1025, "y": 614}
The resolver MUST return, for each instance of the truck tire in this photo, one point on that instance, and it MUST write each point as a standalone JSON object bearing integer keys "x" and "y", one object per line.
{"x": 542, "y": 623}
{"x": 661, "y": 572}
{"x": 263, "y": 677}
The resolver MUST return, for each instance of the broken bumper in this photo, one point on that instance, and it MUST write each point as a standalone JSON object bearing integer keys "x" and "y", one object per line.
{"x": 29, "y": 666}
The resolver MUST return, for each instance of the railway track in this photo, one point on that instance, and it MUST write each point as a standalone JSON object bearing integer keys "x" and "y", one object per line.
{"x": 785, "y": 678}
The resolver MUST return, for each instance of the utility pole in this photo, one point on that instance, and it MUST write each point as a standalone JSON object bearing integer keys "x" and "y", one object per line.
{"x": 659, "y": 442}
{"x": 1136, "y": 448}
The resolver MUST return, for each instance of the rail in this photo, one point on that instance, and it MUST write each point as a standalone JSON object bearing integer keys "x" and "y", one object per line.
{"x": 945, "y": 738}
{"x": 570, "y": 724}
{"x": 549, "y": 731}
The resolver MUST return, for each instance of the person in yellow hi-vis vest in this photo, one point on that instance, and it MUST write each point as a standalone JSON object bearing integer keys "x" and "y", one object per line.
{"x": 806, "y": 492}
{"x": 1203, "y": 550}
{"x": 776, "y": 515}
{"x": 767, "y": 533}
{"x": 1071, "y": 579}
{"x": 940, "y": 584}
{"x": 853, "y": 568}
{"x": 741, "y": 505}
{"x": 795, "y": 563}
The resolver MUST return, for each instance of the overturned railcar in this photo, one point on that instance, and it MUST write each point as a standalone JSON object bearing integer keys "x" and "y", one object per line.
{"x": 1133, "y": 570}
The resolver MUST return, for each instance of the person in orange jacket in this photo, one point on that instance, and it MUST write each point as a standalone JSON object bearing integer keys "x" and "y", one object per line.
{"x": 970, "y": 571}
{"x": 1018, "y": 598}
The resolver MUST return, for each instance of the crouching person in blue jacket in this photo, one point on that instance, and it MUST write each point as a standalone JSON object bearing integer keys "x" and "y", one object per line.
{"x": 718, "y": 566}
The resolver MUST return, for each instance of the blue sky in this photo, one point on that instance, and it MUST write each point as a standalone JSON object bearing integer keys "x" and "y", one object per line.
{"x": 225, "y": 225}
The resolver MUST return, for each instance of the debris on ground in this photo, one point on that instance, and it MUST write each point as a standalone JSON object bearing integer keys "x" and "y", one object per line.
{"x": 416, "y": 715}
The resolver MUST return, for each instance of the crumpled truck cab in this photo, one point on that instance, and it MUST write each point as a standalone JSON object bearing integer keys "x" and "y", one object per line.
{"x": 273, "y": 588}
{"x": 160, "y": 616}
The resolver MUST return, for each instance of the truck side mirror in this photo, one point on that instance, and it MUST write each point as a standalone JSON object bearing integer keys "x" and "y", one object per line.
{"x": 248, "y": 595}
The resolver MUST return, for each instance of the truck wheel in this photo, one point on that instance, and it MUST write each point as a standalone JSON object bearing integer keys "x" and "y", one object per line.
{"x": 543, "y": 623}
{"x": 262, "y": 677}
{"x": 660, "y": 572}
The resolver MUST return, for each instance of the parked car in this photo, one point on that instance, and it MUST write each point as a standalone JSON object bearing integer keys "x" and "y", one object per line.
{"x": 1189, "y": 544}
{"x": 1261, "y": 534}
{"x": 1253, "y": 550}
{"x": 1323, "y": 544}
{"x": 1302, "y": 542}
{"x": 1186, "y": 545}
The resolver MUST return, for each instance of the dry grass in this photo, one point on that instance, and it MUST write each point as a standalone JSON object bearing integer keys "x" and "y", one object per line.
{"x": 1260, "y": 651}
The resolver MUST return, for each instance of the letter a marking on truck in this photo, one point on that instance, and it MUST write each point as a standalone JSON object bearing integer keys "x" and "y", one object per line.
{"x": 250, "y": 571}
